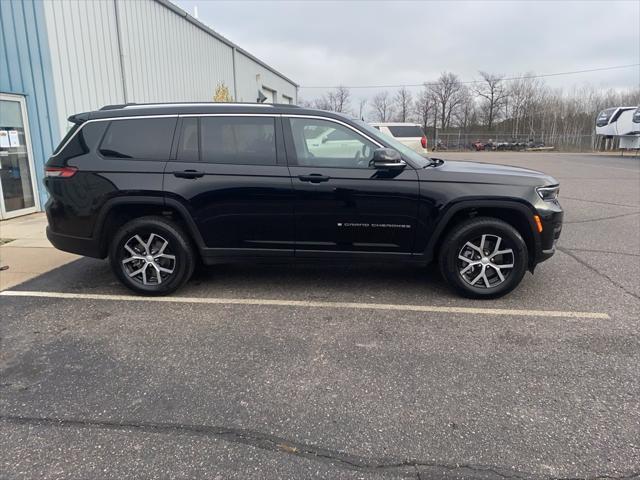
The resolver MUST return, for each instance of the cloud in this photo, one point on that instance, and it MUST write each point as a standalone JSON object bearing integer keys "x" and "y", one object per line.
{"x": 378, "y": 42}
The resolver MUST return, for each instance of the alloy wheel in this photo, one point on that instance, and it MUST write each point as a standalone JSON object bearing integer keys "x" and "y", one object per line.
{"x": 150, "y": 261}
{"x": 483, "y": 264}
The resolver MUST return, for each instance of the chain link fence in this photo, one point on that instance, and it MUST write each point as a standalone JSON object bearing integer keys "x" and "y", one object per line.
{"x": 503, "y": 141}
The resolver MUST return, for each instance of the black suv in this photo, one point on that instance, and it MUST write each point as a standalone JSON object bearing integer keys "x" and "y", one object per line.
{"x": 158, "y": 188}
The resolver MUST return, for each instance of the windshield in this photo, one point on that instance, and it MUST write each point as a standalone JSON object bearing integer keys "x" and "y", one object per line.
{"x": 405, "y": 151}
{"x": 604, "y": 116}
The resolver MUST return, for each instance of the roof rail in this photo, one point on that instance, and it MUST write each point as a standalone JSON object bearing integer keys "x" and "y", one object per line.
{"x": 196, "y": 104}
{"x": 116, "y": 106}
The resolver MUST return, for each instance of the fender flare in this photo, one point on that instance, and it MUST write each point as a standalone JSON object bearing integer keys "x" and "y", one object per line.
{"x": 524, "y": 209}
{"x": 157, "y": 201}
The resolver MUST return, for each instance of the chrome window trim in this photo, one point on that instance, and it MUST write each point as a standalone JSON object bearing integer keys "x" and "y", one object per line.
{"x": 186, "y": 115}
{"x": 191, "y": 115}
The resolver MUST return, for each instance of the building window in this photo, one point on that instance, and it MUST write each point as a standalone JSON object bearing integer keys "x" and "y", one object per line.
{"x": 272, "y": 95}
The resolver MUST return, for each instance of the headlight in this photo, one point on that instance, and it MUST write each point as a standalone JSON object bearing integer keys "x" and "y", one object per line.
{"x": 548, "y": 194}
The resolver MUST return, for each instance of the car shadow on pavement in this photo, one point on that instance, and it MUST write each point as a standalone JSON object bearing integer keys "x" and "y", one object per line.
{"x": 315, "y": 280}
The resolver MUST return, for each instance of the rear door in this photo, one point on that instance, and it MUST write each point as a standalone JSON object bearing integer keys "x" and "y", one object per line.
{"x": 230, "y": 172}
{"x": 342, "y": 204}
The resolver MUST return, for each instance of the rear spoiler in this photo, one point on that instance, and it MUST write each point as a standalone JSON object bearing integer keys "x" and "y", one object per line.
{"x": 79, "y": 118}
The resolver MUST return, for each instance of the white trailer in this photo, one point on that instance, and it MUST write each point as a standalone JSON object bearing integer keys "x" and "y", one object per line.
{"x": 622, "y": 122}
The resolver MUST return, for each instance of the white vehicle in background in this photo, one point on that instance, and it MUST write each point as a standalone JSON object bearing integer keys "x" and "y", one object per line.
{"x": 410, "y": 134}
{"x": 622, "y": 122}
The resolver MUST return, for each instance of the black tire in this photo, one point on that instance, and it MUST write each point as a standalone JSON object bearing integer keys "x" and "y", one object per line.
{"x": 483, "y": 231}
{"x": 127, "y": 255}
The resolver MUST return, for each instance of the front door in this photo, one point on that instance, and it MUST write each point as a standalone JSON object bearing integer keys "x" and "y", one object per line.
{"x": 231, "y": 173}
{"x": 18, "y": 194}
{"x": 342, "y": 203}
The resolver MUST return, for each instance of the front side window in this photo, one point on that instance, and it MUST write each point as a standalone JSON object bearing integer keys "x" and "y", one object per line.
{"x": 140, "y": 139}
{"x": 414, "y": 157}
{"x": 321, "y": 143}
{"x": 238, "y": 140}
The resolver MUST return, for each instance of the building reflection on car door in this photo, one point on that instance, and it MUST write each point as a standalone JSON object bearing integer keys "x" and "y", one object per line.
{"x": 342, "y": 203}
{"x": 231, "y": 173}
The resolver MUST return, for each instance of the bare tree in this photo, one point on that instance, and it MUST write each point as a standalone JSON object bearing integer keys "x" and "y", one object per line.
{"x": 382, "y": 107}
{"x": 323, "y": 103}
{"x": 524, "y": 107}
{"x": 446, "y": 91}
{"x": 424, "y": 107}
{"x": 523, "y": 96}
{"x": 402, "y": 101}
{"x": 338, "y": 100}
{"x": 494, "y": 94}
{"x": 341, "y": 98}
{"x": 466, "y": 112}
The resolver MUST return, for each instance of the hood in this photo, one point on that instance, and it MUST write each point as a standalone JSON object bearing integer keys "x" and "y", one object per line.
{"x": 489, "y": 173}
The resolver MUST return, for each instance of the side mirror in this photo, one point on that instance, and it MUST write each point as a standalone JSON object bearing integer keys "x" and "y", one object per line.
{"x": 387, "y": 158}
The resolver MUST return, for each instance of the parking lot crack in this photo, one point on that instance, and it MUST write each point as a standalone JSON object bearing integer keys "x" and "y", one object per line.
{"x": 602, "y": 218}
{"x": 593, "y": 250}
{"x": 402, "y": 469}
{"x": 602, "y": 274}
{"x": 600, "y": 202}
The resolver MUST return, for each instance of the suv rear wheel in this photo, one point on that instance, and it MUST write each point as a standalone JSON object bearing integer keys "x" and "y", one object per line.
{"x": 152, "y": 256}
{"x": 483, "y": 258}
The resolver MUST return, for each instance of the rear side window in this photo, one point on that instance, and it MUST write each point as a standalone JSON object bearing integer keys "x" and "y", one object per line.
{"x": 405, "y": 131}
{"x": 80, "y": 140}
{"x": 66, "y": 138}
{"x": 238, "y": 140}
{"x": 142, "y": 139}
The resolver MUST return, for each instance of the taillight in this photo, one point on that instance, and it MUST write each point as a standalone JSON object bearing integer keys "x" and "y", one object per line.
{"x": 423, "y": 140}
{"x": 60, "y": 172}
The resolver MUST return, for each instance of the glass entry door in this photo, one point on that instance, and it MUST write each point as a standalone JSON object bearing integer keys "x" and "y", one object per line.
{"x": 17, "y": 180}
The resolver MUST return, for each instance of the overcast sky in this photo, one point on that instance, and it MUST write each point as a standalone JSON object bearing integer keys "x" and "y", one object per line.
{"x": 379, "y": 42}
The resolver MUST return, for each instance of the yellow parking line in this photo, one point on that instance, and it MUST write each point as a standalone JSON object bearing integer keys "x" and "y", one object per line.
{"x": 309, "y": 304}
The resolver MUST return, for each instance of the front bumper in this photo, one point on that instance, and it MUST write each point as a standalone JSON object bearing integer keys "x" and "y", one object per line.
{"x": 551, "y": 217}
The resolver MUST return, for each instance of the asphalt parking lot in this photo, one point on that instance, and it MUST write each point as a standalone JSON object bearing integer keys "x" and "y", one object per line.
{"x": 290, "y": 372}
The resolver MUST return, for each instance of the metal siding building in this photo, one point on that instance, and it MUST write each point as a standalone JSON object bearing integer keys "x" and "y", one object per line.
{"x": 68, "y": 56}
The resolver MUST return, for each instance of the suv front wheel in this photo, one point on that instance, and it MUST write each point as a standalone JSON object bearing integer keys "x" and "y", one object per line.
{"x": 152, "y": 256}
{"x": 483, "y": 258}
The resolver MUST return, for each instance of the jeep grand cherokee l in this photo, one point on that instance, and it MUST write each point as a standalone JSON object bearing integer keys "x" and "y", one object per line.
{"x": 158, "y": 188}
